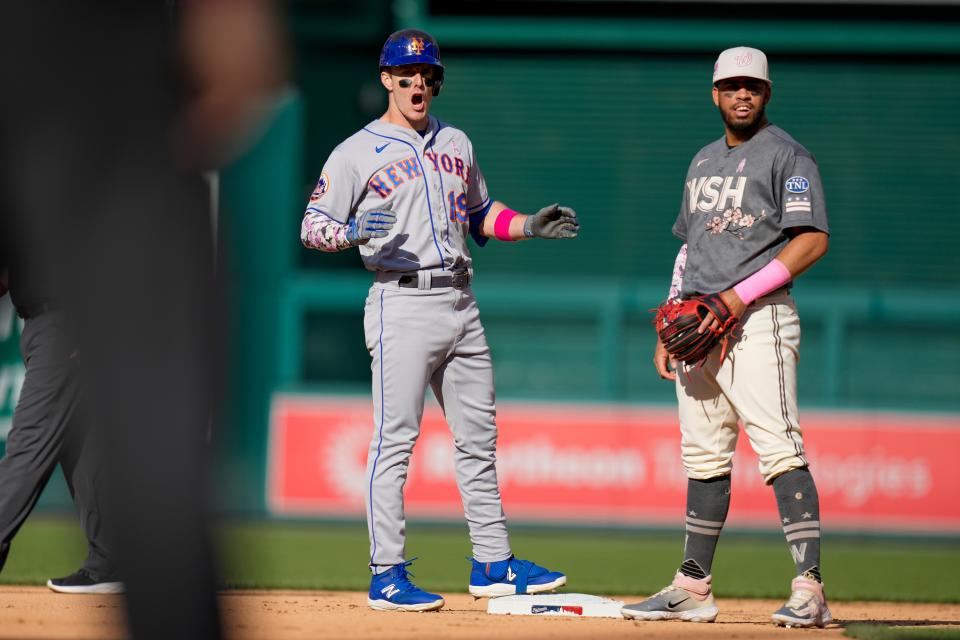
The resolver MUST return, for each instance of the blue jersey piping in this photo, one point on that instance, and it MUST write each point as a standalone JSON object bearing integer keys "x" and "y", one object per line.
{"x": 373, "y": 470}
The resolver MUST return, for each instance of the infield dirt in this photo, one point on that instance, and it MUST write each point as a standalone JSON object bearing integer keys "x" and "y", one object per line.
{"x": 35, "y": 612}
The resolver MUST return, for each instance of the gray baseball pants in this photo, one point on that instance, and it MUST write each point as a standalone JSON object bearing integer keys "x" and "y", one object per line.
{"x": 48, "y": 427}
{"x": 419, "y": 338}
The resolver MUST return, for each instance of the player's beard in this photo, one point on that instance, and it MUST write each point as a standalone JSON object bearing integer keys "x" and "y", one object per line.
{"x": 745, "y": 126}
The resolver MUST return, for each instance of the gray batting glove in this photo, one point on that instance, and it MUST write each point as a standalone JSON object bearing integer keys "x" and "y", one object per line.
{"x": 371, "y": 224}
{"x": 552, "y": 222}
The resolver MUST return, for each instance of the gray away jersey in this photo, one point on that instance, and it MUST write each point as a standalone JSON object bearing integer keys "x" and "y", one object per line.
{"x": 431, "y": 183}
{"x": 738, "y": 202}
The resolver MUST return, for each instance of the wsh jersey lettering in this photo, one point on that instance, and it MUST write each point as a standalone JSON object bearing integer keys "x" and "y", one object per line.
{"x": 716, "y": 193}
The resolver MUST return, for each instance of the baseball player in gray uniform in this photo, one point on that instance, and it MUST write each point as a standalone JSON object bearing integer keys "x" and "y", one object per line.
{"x": 407, "y": 190}
{"x": 752, "y": 218}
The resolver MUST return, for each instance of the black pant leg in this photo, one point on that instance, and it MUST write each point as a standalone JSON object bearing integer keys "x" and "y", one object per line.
{"x": 47, "y": 404}
{"x": 82, "y": 463}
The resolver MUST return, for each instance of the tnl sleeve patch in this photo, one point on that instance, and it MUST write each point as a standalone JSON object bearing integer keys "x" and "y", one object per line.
{"x": 797, "y": 184}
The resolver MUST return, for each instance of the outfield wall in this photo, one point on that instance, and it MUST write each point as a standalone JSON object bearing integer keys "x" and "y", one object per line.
{"x": 604, "y": 112}
{"x": 617, "y": 465}
{"x": 601, "y": 106}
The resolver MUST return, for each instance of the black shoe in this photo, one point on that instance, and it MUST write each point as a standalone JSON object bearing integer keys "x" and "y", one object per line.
{"x": 83, "y": 582}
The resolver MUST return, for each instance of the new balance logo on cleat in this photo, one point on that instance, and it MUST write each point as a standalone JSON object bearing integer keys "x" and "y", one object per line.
{"x": 390, "y": 590}
{"x": 393, "y": 591}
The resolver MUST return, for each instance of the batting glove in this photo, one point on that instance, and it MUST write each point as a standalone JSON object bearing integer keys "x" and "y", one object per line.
{"x": 552, "y": 222}
{"x": 371, "y": 224}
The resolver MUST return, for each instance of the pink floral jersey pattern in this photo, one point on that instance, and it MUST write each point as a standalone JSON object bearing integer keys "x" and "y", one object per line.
{"x": 320, "y": 232}
{"x": 734, "y": 221}
{"x": 679, "y": 266}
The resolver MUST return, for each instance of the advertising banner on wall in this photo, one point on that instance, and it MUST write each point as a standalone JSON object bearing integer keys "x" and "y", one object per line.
{"x": 616, "y": 465}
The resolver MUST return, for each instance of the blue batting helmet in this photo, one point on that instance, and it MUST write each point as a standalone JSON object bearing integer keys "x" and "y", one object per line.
{"x": 412, "y": 46}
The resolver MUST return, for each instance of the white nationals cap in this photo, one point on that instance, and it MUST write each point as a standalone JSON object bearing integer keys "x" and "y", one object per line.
{"x": 742, "y": 62}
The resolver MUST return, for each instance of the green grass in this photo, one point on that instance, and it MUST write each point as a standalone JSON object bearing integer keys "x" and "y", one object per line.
{"x": 333, "y": 556}
{"x": 44, "y": 548}
{"x": 875, "y": 632}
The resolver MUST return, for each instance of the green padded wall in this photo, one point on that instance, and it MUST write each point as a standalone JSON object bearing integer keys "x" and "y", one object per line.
{"x": 613, "y": 135}
{"x": 605, "y": 114}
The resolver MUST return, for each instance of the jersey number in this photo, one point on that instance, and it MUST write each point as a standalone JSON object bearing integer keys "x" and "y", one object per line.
{"x": 458, "y": 207}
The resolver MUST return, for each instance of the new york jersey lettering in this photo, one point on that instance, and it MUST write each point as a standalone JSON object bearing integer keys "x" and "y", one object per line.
{"x": 397, "y": 174}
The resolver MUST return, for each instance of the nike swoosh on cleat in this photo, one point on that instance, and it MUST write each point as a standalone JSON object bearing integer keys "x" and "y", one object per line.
{"x": 677, "y": 603}
{"x": 379, "y": 149}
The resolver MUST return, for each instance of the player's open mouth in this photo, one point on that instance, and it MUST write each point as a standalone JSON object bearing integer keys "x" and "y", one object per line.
{"x": 742, "y": 109}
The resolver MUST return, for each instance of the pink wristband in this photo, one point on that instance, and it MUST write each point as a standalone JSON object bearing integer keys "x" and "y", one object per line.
{"x": 501, "y": 227}
{"x": 770, "y": 278}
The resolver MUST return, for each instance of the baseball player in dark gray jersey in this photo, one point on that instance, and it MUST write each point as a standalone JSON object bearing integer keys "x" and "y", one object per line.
{"x": 406, "y": 189}
{"x": 752, "y": 218}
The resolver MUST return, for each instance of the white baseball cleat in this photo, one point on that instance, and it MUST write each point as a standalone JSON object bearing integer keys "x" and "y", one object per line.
{"x": 686, "y": 599}
{"x": 807, "y": 606}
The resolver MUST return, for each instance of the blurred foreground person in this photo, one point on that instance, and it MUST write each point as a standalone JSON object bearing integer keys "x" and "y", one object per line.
{"x": 108, "y": 116}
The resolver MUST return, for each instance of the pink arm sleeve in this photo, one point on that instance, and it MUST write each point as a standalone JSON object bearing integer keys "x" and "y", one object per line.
{"x": 770, "y": 278}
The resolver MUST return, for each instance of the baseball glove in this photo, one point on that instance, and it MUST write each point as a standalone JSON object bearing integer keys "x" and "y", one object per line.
{"x": 677, "y": 322}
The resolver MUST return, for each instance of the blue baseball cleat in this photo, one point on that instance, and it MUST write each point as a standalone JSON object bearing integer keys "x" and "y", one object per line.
{"x": 393, "y": 591}
{"x": 512, "y": 577}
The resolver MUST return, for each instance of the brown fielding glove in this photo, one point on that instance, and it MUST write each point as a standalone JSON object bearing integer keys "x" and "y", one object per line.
{"x": 677, "y": 323}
